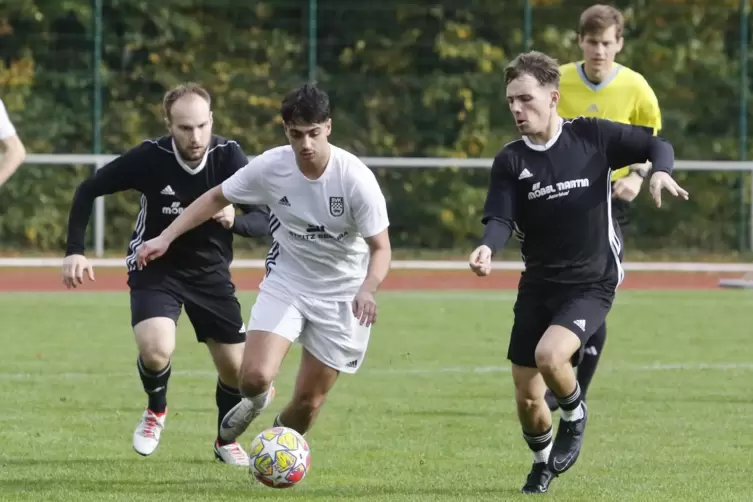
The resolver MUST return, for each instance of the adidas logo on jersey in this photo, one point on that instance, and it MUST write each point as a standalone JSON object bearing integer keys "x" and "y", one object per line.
{"x": 593, "y": 108}
{"x": 352, "y": 364}
{"x": 174, "y": 208}
{"x": 167, "y": 191}
{"x": 525, "y": 174}
{"x": 284, "y": 202}
{"x": 581, "y": 323}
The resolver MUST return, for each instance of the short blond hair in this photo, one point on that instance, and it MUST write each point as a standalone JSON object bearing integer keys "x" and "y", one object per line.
{"x": 598, "y": 18}
{"x": 180, "y": 91}
{"x": 545, "y": 69}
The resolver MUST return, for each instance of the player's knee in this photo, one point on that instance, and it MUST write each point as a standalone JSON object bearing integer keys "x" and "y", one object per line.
{"x": 550, "y": 359}
{"x": 254, "y": 381}
{"x": 155, "y": 339}
{"x": 555, "y": 349}
{"x": 155, "y": 358}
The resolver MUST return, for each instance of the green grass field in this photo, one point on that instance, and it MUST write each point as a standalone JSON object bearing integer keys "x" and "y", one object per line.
{"x": 429, "y": 417}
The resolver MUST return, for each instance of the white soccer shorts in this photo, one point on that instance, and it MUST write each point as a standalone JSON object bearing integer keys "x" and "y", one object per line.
{"x": 327, "y": 329}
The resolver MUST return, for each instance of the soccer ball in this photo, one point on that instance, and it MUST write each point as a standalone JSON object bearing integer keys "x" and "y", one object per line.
{"x": 279, "y": 457}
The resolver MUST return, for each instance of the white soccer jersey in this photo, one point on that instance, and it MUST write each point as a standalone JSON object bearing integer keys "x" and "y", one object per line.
{"x": 318, "y": 226}
{"x": 6, "y": 126}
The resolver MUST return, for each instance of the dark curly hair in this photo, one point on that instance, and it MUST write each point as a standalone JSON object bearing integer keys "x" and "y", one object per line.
{"x": 305, "y": 105}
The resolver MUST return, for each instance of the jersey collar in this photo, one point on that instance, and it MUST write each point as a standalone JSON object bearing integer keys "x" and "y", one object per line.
{"x": 186, "y": 167}
{"x": 597, "y": 87}
{"x": 549, "y": 144}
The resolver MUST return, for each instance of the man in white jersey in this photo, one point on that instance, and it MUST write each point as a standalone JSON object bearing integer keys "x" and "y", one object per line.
{"x": 13, "y": 151}
{"x": 330, "y": 254}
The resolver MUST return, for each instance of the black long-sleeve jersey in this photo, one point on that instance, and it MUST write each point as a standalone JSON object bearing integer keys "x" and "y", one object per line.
{"x": 168, "y": 185}
{"x": 557, "y": 198}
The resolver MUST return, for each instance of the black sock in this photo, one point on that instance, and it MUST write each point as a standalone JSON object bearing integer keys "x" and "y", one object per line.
{"x": 571, "y": 402}
{"x": 538, "y": 443}
{"x": 591, "y": 356}
{"x": 226, "y": 397}
{"x": 155, "y": 385}
{"x": 277, "y": 422}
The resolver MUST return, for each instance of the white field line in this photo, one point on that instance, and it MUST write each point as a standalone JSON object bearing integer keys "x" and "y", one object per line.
{"x": 462, "y": 370}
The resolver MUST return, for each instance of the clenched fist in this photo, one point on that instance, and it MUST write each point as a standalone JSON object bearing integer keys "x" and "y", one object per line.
{"x": 480, "y": 261}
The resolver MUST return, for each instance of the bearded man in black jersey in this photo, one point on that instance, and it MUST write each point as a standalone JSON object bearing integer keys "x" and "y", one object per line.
{"x": 552, "y": 187}
{"x": 171, "y": 172}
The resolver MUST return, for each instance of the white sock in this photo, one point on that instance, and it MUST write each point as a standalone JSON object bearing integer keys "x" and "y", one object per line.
{"x": 566, "y": 402}
{"x": 543, "y": 455}
{"x": 573, "y": 415}
{"x": 536, "y": 441}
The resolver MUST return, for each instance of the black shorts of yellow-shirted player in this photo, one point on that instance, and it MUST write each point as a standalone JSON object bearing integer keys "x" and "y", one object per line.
{"x": 553, "y": 187}
{"x": 170, "y": 172}
{"x": 330, "y": 216}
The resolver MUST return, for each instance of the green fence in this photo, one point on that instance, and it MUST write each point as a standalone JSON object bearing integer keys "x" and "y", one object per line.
{"x": 406, "y": 79}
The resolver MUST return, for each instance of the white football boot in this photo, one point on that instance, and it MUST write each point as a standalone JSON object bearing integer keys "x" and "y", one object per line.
{"x": 231, "y": 454}
{"x": 240, "y": 416}
{"x": 148, "y": 431}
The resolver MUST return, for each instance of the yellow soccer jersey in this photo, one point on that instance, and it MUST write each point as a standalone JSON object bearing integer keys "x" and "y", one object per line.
{"x": 624, "y": 96}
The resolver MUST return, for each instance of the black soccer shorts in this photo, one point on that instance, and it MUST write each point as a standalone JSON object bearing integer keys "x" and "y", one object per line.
{"x": 580, "y": 308}
{"x": 214, "y": 310}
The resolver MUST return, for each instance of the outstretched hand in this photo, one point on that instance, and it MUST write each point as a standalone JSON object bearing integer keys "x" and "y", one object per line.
{"x": 74, "y": 267}
{"x": 663, "y": 181}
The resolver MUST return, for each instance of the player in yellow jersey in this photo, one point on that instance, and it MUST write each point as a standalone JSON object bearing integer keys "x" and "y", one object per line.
{"x": 600, "y": 87}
